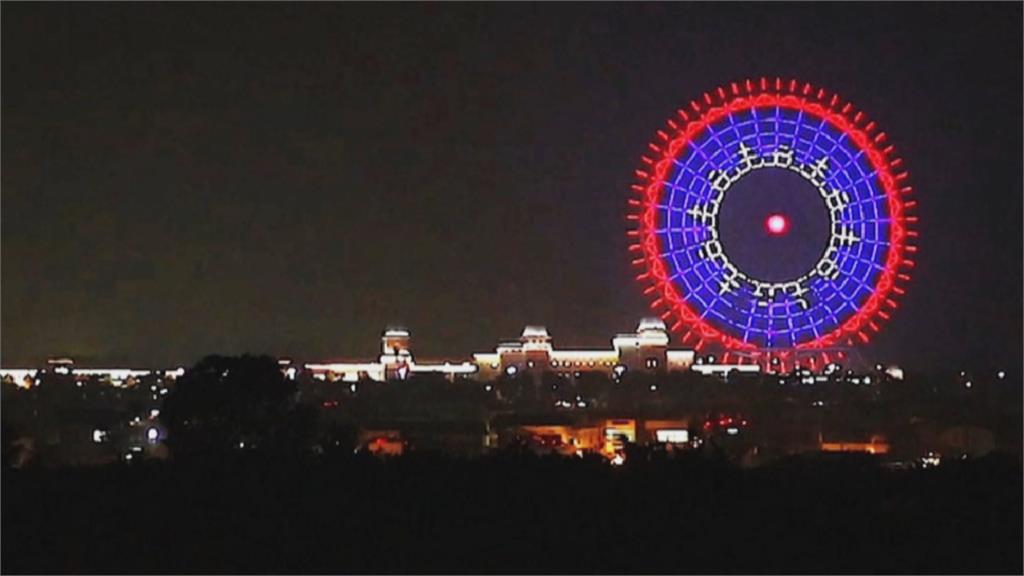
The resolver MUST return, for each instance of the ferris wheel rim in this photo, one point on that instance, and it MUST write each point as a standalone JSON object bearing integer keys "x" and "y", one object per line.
{"x": 689, "y": 124}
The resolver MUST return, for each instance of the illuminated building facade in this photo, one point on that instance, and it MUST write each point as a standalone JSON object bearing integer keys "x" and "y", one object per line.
{"x": 876, "y": 445}
{"x": 396, "y": 362}
{"x": 645, "y": 350}
{"x": 602, "y": 436}
{"x": 117, "y": 377}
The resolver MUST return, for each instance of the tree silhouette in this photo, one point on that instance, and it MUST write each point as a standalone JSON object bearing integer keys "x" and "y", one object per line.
{"x": 11, "y": 450}
{"x": 234, "y": 403}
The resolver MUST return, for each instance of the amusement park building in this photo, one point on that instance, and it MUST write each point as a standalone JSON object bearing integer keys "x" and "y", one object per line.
{"x": 643, "y": 350}
{"x": 532, "y": 353}
{"x": 396, "y": 362}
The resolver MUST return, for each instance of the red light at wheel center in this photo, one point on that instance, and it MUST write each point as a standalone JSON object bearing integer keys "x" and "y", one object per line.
{"x": 777, "y": 224}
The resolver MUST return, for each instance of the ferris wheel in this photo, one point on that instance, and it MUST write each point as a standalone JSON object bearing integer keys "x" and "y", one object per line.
{"x": 773, "y": 222}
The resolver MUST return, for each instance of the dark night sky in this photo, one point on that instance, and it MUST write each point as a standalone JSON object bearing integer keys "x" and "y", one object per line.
{"x": 193, "y": 178}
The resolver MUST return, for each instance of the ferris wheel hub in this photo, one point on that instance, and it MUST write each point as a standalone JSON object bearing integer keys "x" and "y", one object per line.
{"x": 777, "y": 224}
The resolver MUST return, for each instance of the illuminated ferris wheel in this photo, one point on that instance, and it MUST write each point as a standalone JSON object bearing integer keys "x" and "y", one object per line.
{"x": 773, "y": 222}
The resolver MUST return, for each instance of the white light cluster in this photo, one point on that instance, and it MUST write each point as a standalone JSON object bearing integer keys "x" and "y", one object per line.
{"x": 673, "y": 436}
{"x": 446, "y": 368}
{"x": 22, "y": 378}
{"x": 112, "y": 373}
{"x": 724, "y": 369}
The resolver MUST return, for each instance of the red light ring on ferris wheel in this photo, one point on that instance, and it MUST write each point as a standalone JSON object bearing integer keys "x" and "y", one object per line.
{"x": 671, "y": 144}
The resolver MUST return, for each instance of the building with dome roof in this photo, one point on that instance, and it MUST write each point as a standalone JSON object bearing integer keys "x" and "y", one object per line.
{"x": 396, "y": 362}
{"x": 643, "y": 350}
{"x": 533, "y": 352}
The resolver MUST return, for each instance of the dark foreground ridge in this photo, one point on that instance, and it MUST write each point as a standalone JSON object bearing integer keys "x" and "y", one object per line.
{"x": 515, "y": 513}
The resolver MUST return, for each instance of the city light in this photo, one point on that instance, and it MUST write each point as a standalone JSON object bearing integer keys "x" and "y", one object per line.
{"x": 671, "y": 436}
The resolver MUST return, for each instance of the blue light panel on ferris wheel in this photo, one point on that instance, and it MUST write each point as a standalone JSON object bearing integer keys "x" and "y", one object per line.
{"x": 783, "y": 321}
